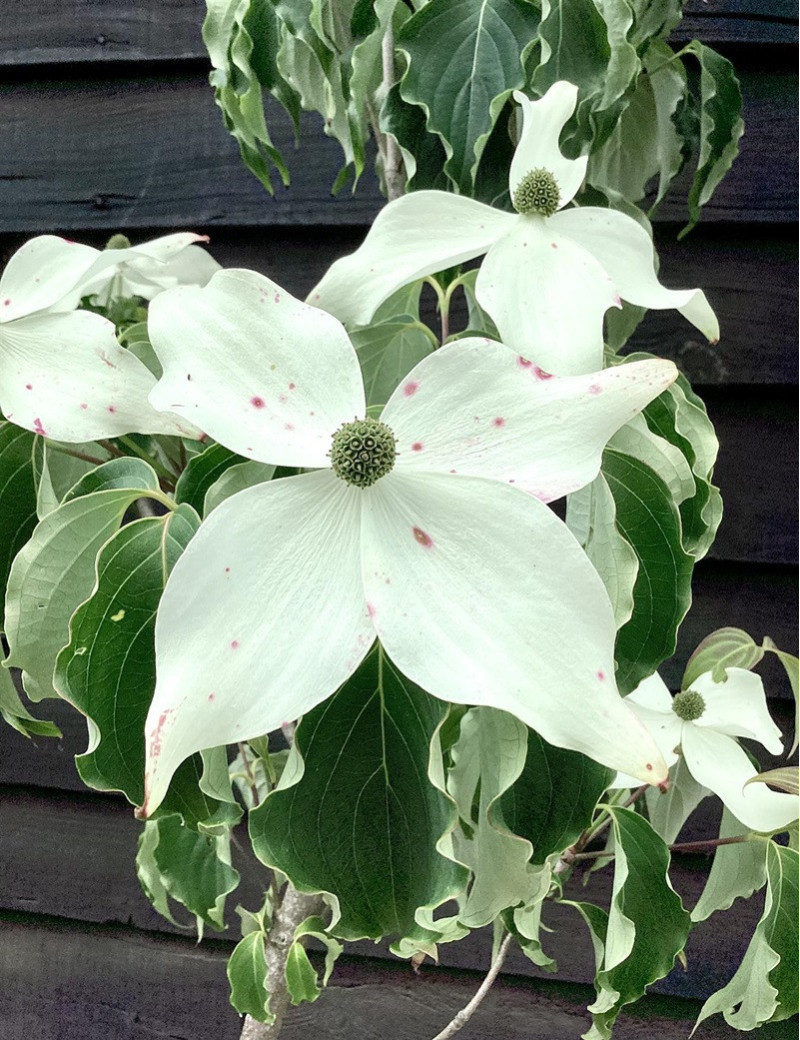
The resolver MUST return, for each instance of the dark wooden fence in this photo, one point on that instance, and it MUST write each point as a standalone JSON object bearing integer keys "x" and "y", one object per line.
{"x": 107, "y": 123}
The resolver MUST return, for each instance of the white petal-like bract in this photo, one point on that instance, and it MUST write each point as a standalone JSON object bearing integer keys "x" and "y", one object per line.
{"x": 738, "y": 707}
{"x": 542, "y": 123}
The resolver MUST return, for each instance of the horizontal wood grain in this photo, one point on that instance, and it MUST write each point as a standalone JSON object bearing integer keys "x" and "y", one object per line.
{"x": 145, "y": 151}
{"x": 160, "y": 30}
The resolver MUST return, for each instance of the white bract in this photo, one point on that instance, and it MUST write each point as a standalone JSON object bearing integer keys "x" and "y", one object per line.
{"x": 550, "y": 273}
{"x": 62, "y": 372}
{"x": 702, "y": 725}
{"x": 436, "y": 539}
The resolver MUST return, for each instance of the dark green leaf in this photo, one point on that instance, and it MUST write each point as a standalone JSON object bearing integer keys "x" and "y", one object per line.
{"x": 464, "y": 59}
{"x": 202, "y": 472}
{"x": 17, "y": 715}
{"x": 423, "y": 152}
{"x": 362, "y": 818}
{"x": 387, "y": 353}
{"x": 17, "y": 494}
{"x": 247, "y": 974}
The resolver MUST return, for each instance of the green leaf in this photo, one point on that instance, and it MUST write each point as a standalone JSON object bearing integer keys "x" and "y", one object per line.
{"x": 592, "y": 518}
{"x": 17, "y": 494}
{"x": 136, "y": 339}
{"x": 107, "y": 671}
{"x": 194, "y": 868}
{"x": 649, "y": 521}
{"x": 423, "y": 152}
{"x": 355, "y": 813}
{"x": 488, "y": 758}
{"x": 647, "y": 924}
{"x": 57, "y": 471}
{"x": 465, "y": 57}
{"x": 737, "y": 871}
{"x": 301, "y": 977}
{"x": 723, "y": 649}
{"x": 791, "y": 666}
{"x": 587, "y": 44}
{"x": 247, "y": 975}
{"x": 236, "y": 478}
{"x": 150, "y": 876}
{"x": 553, "y": 799}
{"x": 669, "y": 810}
{"x": 721, "y": 126}
{"x": 765, "y": 987}
{"x": 203, "y": 471}
{"x": 388, "y": 351}
{"x": 54, "y": 572}
{"x": 17, "y": 715}
{"x": 785, "y": 779}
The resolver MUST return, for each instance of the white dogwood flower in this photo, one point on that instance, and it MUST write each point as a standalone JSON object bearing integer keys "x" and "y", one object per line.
{"x": 62, "y": 372}
{"x": 427, "y": 529}
{"x": 550, "y": 273}
{"x": 702, "y": 725}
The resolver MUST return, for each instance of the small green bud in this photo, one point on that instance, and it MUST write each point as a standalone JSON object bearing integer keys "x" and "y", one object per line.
{"x": 363, "y": 451}
{"x": 118, "y": 242}
{"x": 537, "y": 193}
{"x": 688, "y": 705}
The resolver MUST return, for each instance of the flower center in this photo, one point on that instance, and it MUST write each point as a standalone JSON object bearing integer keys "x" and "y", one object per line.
{"x": 688, "y": 705}
{"x": 537, "y": 192}
{"x": 363, "y": 451}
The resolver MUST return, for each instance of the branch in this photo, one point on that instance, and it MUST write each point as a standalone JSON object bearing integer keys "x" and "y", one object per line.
{"x": 706, "y": 845}
{"x": 294, "y": 908}
{"x": 466, "y": 1013}
{"x": 393, "y": 170}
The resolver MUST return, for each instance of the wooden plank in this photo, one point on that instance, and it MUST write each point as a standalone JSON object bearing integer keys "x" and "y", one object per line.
{"x": 62, "y": 982}
{"x": 168, "y": 30}
{"x": 44, "y": 838}
{"x": 152, "y": 151}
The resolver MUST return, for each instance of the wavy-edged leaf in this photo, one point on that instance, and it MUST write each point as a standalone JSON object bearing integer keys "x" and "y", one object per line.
{"x": 553, "y": 799}
{"x": 17, "y": 494}
{"x": 14, "y": 712}
{"x": 488, "y": 758}
{"x": 247, "y": 975}
{"x": 765, "y": 987}
{"x": 649, "y": 521}
{"x": 205, "y": 470}
{"x": 647, "y": 924}
{"x": 721, "y": 126}
{"x": 791, "y": 665}
{"x": 465, "y": 57}
{"x": 355, "y": 814}
{"x": 54, "y": 572}
{"x": 587, "y": 44}
{"x": 423, "y": 152}
{"x": 302, "y": 980}
{"x": 107, "y": 670}
{"x": 785, "y": 779}
{"x": 737, "y": 871}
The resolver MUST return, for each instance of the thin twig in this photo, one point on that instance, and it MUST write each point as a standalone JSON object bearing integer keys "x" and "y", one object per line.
{"x": 707, "y": 845}
{"x": 393, "y": 169}
{"x": 466, "y": 1013}
{"x": 248, "y": 772}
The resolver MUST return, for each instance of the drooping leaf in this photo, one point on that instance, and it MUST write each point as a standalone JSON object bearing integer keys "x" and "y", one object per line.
{"x": 107, "y": 670}
{"x": 738, "y": 870}
{"x": 301, "y": 978}
{"x": 17, "y": 494}
{"x": 765, "y": 987}
{"x": 14, "y": 712}
{"x": 721, "y": 126}
{"x": 488, "y": 758}
{"x": 649, "y": 521}
{"x": 587, "y": 44}
{"x": 554, "y": 797}
{"x": 592, "y": 518}
{"x": 647, "y": 924}
{"x": 791, "y": 666}
{"x": 669, "y": 810}
{"x": 55, "y": 570}
{"x": 725, "y": 648}
{"x": 355, "y": 814}
{"x": 465, "y": 57}
{"x": 194, "y": 868}
{"x": 785, "y": 779}
{"x": 247, "y": 975}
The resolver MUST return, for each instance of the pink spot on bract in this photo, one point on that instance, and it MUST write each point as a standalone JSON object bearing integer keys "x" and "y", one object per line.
{"x": 6, "y": 303}
{"x": 37, "y": 425}
{"x": 112, "y": 409}
{"x": 595, "y": 389}
{"x": 234, "y": 644}
{"x": 292, "y": 386}
{"x": 211, "y": 696}
{"x": 29, "y": 386}
{"x": 257, "y": 402}
{"x": 553, "y": 245}
{"x": 601, "y": 676}
{"x": 618, "y": 299}
{"x": 282, "y": 398}
{"x": 277, "y": 297}
{"x": 84, "y": 406}
{"x": 371, "y": 610}
{"x": 105, "y": 360}
{"x": 423, "y": 537}
{"x": 523, "y": 362}
{"x": 288, "y": 426}
{"x": 541, "y": 374}
{"x": 410, "y": 388}
{"x": 416, "y": 446}
{"x": 227, "y": 570}
{"x": 499, "y": 421}
{"x": 649, "y": 767}
{"x": 155, "y": 740}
